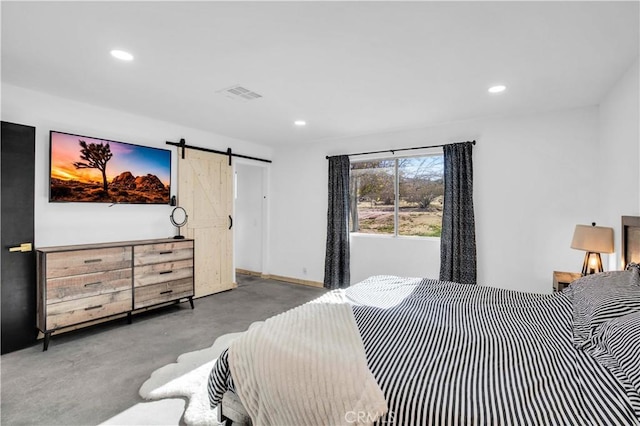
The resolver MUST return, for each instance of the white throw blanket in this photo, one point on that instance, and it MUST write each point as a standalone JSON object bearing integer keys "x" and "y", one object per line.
{"x": 306, "y": 366}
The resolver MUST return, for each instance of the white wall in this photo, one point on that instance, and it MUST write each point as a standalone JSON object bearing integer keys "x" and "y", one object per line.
{"x": 76, "y": 223}
{"x": 530, "y": 189}
{"x": 387, "y": 255}
{"x": 249, "y": 218}
{"x": 297, "y": 212}
{"x": 619, "y": 155}
{"x": 533, "y": 182}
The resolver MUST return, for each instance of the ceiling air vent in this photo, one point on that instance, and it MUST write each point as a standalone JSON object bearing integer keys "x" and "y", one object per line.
{"x": 239, "y": 93}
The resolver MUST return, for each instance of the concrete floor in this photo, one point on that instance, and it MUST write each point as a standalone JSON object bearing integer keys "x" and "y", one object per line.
{"x": 88, "y": 376}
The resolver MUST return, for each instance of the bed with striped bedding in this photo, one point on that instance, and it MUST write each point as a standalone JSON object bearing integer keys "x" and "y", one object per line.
{"x": 449, "y": 354}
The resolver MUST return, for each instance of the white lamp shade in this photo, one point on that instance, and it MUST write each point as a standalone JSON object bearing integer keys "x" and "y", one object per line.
{"x": 595, "y": 239}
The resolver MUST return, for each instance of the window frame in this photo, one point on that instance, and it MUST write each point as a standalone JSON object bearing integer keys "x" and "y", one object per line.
{"x": 396, "y": 187}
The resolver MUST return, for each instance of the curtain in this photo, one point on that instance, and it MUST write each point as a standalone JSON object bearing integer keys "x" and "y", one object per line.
{"x": 336, "y": 264}
{"x": 458, "y": 241}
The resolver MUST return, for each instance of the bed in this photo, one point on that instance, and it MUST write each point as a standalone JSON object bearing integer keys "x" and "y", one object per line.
{"x": 442, "y": 353}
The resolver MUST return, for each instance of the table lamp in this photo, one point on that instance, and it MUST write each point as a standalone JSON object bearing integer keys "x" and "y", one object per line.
{"x": 593, "y": 240}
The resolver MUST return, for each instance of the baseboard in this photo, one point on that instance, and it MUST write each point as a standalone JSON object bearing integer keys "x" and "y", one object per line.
{"x": 247, "y": 272}
{"x": 293, "y": 280}
{"x": 280, "y": 278}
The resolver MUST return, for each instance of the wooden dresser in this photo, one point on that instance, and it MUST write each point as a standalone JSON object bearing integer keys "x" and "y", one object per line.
{"x": 83, "y": 283}
{"x": 162, "y": 272}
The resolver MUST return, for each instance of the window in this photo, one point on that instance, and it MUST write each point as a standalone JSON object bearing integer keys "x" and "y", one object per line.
{"x": 398, "y": 196}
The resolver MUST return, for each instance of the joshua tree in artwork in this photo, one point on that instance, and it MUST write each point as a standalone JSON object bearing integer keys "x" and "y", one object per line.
{"x": 95, "y": 156}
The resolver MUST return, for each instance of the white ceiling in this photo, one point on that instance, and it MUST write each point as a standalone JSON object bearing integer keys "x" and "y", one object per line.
{"x": 347, "y": 68}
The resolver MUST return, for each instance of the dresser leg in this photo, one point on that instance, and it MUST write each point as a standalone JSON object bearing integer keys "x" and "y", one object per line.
{"x": 45, "y": 344}
{"x": 191, "y": 301}
{"x": 129, "y": 320}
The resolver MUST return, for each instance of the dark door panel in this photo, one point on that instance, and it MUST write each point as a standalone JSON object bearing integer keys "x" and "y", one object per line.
{"x": 18, "y": 261}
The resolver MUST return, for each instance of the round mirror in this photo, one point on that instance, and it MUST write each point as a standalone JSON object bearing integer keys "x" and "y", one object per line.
{"x": 178, "y": 219}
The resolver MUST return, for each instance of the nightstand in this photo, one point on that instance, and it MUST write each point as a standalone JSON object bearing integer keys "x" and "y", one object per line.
{"x": 561, "y": 280}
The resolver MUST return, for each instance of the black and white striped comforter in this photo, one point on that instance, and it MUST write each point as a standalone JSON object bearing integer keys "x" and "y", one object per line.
{"x": 450, "y": 354}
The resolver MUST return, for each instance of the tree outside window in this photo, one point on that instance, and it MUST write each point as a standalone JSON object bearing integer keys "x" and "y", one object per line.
{"x": 399, "y": 196}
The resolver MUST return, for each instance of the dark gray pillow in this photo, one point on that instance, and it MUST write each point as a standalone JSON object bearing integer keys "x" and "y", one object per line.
{"x": 601, "y": 297}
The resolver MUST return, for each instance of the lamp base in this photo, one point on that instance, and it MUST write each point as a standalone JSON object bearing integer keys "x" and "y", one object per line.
{"x": 592, "y": 265}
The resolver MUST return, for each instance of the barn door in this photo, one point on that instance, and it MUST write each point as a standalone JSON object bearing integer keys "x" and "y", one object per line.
{"x": 205, "y": 191}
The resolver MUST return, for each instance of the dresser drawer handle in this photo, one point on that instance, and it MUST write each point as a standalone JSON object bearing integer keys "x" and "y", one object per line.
{"x": 93, "y": 260}
{"x": 165, "y": 272}
{"x": 166, "y": 252}
{"x": 166, "y": 292}
{"x": 93, "y": 307}
{"x": 96, "y": 283}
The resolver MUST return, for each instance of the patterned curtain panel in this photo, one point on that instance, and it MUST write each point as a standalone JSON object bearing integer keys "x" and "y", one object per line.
{"x": 336, "y": 263}
{"x": 458, "y": 241}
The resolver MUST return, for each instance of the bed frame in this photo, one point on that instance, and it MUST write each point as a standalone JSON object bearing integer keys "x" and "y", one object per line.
{"x": 630, "y": 240}
{"x": 231, "y": 411}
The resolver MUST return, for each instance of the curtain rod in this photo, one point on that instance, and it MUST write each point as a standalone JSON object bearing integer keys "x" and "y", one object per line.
{"x": 182, "y": 144}
{"x": 393, "y": 151}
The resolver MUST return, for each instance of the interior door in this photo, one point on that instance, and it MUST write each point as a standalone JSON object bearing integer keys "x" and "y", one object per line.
{"x": 249, "y": 218}
{"x": 18, "y": 262}
{"x": 205, "y": 191}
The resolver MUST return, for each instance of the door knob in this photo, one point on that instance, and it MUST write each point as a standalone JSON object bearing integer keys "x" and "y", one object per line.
{"x": 24, "y": 247}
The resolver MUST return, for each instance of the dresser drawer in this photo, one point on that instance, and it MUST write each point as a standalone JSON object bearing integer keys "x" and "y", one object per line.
{"x": 162, "y": 272}
{"x": 80, "y": 286}
{"x": 164, "y": 252}
{"x": 89, "y": 308}
{"x": 69, "y": 263}
{"x": 164, "y": 292}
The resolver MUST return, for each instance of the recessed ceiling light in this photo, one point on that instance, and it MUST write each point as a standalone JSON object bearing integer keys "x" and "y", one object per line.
{"x": 300, "y": 123}
{"x": 122, "y": 55}
{"x": 497, "y": 89}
